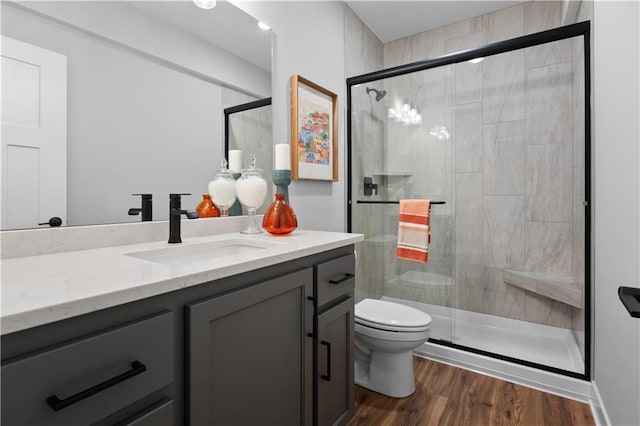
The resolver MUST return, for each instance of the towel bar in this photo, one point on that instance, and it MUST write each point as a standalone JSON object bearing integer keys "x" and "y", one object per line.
{"x": 392, "y": 202}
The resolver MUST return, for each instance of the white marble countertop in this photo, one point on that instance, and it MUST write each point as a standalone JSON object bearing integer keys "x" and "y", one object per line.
{"x": 37, "y": 290}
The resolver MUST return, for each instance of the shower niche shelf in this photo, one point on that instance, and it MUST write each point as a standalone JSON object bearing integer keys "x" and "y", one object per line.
{"x": 561, "y": 288}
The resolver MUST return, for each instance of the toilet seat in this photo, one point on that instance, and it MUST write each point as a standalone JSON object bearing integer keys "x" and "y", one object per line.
{"x": 391, "y": 316}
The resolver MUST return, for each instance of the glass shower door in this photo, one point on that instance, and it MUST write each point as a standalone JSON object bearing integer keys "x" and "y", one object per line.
{"x": 401, "y": 149}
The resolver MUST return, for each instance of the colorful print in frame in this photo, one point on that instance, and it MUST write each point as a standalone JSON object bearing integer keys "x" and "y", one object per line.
{"x": 314, "y": 131}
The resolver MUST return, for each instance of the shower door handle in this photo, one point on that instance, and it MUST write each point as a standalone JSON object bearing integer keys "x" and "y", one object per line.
{"x": 327, "y": 376}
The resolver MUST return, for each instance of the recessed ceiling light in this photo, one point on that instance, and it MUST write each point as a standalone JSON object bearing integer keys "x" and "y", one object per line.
{"x": 263, "y": 26}
{"x": 205, "y": 4}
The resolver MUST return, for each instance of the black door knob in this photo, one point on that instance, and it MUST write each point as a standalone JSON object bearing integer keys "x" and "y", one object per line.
{"x": 54, "y": 221}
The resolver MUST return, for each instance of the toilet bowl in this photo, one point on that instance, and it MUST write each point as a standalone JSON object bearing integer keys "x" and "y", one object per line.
{"x": 386, "y": 334}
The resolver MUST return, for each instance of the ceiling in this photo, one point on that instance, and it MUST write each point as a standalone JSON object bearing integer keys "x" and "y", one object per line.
{"x": 392, "y": 20}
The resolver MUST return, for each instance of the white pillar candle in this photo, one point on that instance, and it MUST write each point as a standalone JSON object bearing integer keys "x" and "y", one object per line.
{"x": 235, "y": 160}
{"x": 283, "y": 156}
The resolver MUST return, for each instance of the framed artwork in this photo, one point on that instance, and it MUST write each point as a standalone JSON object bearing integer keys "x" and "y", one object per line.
{"x": 314, "y": 131}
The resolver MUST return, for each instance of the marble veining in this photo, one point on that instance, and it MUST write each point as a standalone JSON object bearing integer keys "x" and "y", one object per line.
{"x": 549, "y": 104}
{"x": 503, "y": 87}
{"x": 549, "y": 248}
{"x": 503, "y": 24}
{"x": 504, "y": 158}
{"x": 468, "y": 146}
{"x": 504, "y": 231}
{"x": 549, "y": 183}
{"x": 426, "y": 45}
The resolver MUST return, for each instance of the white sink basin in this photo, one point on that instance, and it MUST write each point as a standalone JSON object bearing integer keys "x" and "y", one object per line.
{"x": 182, "y": 253}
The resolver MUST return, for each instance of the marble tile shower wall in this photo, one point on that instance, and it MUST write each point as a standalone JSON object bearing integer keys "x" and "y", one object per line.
{"x": 363, "y": 54}
{"x": 514, "y": 163}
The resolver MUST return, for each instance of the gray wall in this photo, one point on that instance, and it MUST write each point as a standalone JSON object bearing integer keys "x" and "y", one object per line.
{"x": 315, "y": 51}
{"x": 617, "y": 205}
{"x": 135, "y": 124}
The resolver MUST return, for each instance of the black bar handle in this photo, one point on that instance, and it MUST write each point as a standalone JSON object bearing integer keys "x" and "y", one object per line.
{"x": 346, "y": 277}
{"x": 327, "y": 376}
{"x": 58, "y": 404}
{"x": 392, "y": 202}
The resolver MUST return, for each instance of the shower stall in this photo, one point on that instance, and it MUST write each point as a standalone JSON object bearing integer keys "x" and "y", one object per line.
{"x": 497, "y": 138}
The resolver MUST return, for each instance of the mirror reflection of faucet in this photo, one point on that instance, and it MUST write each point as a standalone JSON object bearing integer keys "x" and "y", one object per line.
{"x": 370, "y": 187}
{"x": 175, "y": 213}
{"x": 146, "y": 209}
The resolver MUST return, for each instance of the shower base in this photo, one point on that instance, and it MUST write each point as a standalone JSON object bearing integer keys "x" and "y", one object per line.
{"x": 537, "y": 343}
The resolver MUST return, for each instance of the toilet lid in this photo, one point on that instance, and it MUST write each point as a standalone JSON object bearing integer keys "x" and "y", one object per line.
{"x": 391, "y": 316}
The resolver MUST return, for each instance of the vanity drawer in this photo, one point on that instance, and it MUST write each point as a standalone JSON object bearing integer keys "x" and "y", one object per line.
{"x": 87, "y": 379}
{"x": 335, "y": 278}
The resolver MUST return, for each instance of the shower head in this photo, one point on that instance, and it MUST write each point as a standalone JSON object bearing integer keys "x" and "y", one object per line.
{"x": 379, "y": 93}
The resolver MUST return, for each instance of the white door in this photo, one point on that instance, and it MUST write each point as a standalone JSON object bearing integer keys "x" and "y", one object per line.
{"x": 34, "y": 135}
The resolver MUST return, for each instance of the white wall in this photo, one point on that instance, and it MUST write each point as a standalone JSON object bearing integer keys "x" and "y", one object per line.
{"x": 134, "y": 126}
{"x": 309, "y": 41}
{"x": 137, "y": 30}
{"x": 617, "y": 206}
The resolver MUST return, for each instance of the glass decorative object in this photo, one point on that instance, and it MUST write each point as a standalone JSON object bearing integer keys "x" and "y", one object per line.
{"x": 279, "y": 219}
{"x": 206, "y": 208}
{"x": 223, "y": 189}
{"x": 251, "y": 189}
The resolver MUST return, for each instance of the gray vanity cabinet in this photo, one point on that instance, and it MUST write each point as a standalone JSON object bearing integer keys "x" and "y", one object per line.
{"x": 271, "y": 346}
{"x": 335, "y": 282}
{"x": 250, "y": 355}
{"x": 87, "y": 379}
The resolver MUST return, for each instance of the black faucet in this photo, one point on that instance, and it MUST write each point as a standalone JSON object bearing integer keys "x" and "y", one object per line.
{"x": 146, "y": 209}
{"x": 175, "y": 211}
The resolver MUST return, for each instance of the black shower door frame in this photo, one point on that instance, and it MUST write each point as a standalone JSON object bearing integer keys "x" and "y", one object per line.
{"x": 569, "y": 31}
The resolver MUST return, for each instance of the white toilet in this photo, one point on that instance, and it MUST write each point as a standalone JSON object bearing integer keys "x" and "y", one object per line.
{"x": 386, "y": 334}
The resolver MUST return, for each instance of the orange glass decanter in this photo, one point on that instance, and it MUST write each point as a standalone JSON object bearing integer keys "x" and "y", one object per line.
{"x": 279, "y": 219}
{"x": 207, "y": 208}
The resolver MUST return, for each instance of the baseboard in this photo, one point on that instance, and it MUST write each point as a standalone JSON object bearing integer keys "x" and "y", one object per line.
{"x": 597, "y": 407}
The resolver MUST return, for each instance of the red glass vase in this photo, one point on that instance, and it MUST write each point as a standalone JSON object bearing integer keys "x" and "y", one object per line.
{"x": 279, "y": 218}
{"x": 206, "y": 208}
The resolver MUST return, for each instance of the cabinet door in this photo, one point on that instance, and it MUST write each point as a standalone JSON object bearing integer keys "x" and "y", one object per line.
{"x": 335, "y": 364}
{"x": 250, "y": 355}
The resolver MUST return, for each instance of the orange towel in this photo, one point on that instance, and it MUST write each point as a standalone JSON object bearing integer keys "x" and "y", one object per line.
{"x": 413, "y": 230}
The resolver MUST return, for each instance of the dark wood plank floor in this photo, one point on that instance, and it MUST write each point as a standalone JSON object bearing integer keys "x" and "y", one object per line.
{"x": 447, "y": 395}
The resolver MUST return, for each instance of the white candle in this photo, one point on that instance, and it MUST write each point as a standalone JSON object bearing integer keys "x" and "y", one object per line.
{"x": 283, "y": 156}
{"x": 235, "y": 160}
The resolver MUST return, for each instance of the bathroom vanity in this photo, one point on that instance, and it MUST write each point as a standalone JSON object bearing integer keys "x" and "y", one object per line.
{"x": 224, "y": 329}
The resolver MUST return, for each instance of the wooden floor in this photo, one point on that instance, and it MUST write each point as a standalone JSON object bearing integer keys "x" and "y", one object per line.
{"x": 447, "y": 395}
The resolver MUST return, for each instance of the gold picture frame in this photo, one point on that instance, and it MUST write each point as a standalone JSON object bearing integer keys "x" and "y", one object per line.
{"x": 314, "y": 131}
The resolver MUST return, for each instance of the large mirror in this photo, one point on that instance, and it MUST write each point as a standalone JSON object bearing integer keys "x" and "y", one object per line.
{"x": 248, "y": 129}
{"x": 119, "y": 98}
